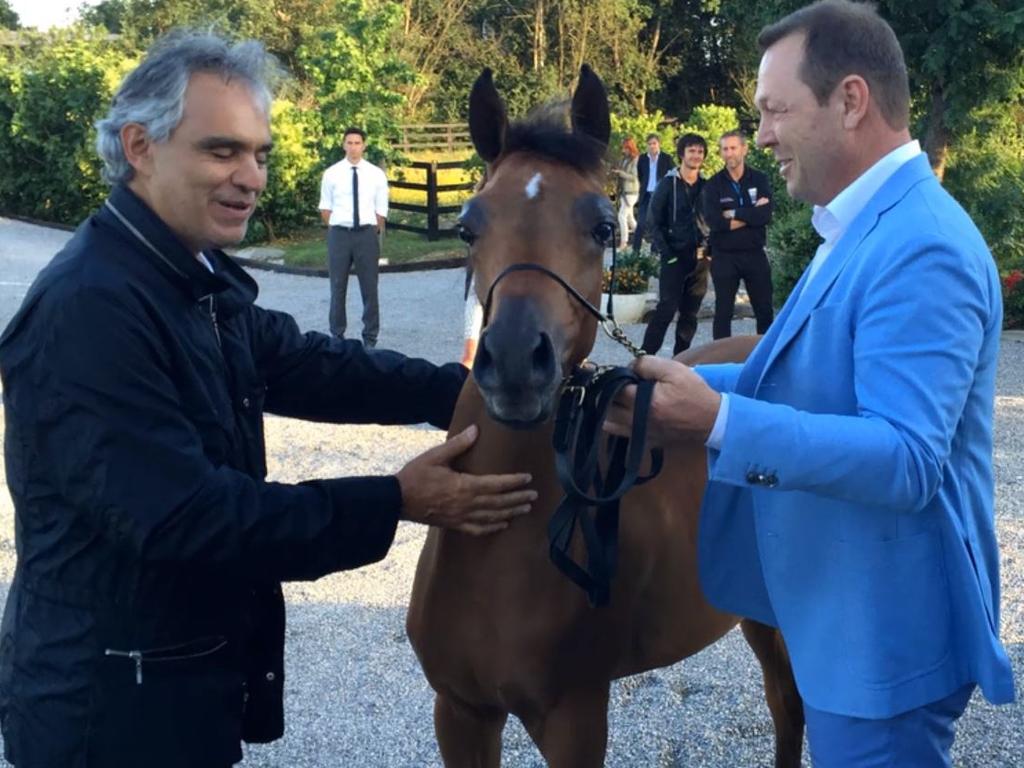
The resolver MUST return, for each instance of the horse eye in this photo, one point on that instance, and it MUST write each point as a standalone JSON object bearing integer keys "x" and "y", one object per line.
{"x": 604, "y": 232}
{"x": 466, "y": 235}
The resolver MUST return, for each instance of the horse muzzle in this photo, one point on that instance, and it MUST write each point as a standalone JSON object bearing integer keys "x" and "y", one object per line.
{"x": 518, "y": 368}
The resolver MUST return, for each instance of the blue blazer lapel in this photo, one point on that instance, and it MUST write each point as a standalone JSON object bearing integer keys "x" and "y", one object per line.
{"x": 750, "y": 376}
{"x": 895, "y": 189}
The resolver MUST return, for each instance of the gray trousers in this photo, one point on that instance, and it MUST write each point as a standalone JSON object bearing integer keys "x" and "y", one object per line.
{"x": 359, "y": 248}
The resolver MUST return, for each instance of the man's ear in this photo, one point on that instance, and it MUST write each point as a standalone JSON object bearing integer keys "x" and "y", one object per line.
{"x": 137, "y": 147}
{"x": 856, "y": 98}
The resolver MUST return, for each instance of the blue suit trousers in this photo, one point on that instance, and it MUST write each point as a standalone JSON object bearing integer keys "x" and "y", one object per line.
{"x": 920, "y": 738}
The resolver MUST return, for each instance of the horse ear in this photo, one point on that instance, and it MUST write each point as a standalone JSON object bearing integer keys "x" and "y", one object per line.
{"x": 590, "y": 107}
{"x": 487, "y": 118}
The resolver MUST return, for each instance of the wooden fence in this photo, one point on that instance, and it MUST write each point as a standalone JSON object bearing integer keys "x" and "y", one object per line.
{"x": 432, "y": 209}
{"x": 446, "y": 137}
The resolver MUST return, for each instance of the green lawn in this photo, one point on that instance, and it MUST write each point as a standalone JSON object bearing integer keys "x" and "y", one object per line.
{"x": 308, "y": 247}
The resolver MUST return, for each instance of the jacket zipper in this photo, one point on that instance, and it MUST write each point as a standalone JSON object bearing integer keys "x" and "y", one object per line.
{"x": 135, "y": 656}
{"x": 213, "y": 317}
{"x": 139, "y": 656}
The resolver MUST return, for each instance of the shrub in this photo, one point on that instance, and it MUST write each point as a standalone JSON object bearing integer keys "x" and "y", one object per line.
{"x": 792, "y": 242}
{"x": 710, "y": 121}
{"x": 1013, "y": 299}
{"x": 293, "y": 181}
{"x": 49, "y": 101}
{"x": 639, "y": 126}
{"x": 633, "y": 272}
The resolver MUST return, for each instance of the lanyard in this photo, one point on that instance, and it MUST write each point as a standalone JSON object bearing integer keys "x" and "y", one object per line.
{"x": 739, "y": 192}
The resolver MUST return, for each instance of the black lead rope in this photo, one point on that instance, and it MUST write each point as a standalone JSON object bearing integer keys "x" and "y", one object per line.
{"x": 592, "y": 496}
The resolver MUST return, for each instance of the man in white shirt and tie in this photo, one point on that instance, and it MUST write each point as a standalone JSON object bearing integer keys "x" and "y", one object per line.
{"x": 354, "y": 206}
{"x": 850, "y": 482}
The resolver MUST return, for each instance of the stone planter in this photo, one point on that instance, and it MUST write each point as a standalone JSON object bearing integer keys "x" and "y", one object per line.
{"x": 629, "y": 307}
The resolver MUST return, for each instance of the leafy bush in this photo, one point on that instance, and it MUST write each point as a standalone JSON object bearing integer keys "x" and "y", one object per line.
{"x": 633, "y": 272}
{"x": 1013, "y": 299}
{"x": 639, "y": 127}
{"x": 985, "y": 173}
{"x": 49, "y": 101}
{"x": 711, "y": 121}
{"x": 792, "y": 242}
{"x": 293, "y": 174}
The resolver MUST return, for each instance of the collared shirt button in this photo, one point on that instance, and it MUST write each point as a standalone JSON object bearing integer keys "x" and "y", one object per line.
{"x": 271, "y": 677}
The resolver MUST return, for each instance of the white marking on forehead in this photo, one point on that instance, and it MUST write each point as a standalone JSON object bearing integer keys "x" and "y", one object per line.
{"x": 533, "y": 186}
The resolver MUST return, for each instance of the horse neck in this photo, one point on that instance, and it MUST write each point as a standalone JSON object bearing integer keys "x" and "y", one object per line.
{"x": 499, "y": 449}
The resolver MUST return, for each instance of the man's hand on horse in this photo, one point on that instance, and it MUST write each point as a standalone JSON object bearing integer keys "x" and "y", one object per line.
{"x": 683, "y": 406}
{"x": 435, "y": 494}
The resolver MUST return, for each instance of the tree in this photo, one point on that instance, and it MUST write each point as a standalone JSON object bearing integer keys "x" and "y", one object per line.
{"x": 109, "y": 14}
{"x": 962, "y": 56}
{"x": 354, "y": 75}
{"x": 8, "y": 18}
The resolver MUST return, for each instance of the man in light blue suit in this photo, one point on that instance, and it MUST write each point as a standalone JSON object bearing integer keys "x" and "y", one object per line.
{"x": 850, "y": 488}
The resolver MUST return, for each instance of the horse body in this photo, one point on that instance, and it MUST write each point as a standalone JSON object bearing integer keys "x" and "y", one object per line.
{"x": 497, "y": 628}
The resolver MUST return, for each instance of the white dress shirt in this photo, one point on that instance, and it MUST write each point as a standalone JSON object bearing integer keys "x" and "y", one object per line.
{"x": 336, "y": 193}
{"x": 831, "y": 222}
{"x": 652, "y": 173}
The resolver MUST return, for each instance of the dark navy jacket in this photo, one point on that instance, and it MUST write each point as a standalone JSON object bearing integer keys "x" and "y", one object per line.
{"x": 145, "y": 622}
{"x": 721, "y": 193}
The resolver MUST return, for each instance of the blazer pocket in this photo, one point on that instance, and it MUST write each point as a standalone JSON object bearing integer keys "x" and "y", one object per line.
{"x": 896, "y": 617}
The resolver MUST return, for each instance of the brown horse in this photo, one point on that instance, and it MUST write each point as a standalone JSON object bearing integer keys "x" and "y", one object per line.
{"x": 496, "y": 627}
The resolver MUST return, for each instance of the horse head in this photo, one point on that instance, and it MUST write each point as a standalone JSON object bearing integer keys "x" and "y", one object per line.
{"x": 542, "y": 207}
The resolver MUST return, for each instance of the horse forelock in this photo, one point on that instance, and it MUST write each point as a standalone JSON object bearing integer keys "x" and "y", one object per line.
{"x": 547, "y": 133}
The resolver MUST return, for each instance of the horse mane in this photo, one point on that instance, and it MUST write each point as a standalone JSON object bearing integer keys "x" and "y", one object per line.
{"x": 547, "y": 131}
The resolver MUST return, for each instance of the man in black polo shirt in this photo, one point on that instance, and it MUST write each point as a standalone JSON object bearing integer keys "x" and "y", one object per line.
{"x": 737, "y": 209}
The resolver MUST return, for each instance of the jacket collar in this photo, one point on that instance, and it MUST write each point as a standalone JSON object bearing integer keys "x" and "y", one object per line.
{"x": 129, "y": 214}
{"x": 807, "y": 296}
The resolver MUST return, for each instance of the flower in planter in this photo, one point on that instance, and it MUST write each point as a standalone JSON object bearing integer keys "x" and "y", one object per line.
{"x": 1013, "y": 299}
{"x": 632, "y": 273}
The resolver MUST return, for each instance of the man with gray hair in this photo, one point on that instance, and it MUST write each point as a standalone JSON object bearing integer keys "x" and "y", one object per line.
{"x": 145, "y": 622}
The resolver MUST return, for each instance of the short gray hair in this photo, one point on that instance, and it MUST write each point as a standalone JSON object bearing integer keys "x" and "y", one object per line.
{"x": 153, "y": 94}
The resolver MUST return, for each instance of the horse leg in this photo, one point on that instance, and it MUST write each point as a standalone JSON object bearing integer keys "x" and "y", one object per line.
{"x": 574, "y": 734}
{"x": 784, "y": 702}
{"x": 468, "y": 737}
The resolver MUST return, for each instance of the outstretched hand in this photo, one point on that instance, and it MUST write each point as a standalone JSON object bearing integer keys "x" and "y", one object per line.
{"x": 435, "y": 494}
{"x": 683, "y": 406}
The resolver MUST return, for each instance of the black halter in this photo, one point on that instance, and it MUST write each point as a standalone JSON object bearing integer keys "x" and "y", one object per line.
{"x": 592, "y": 495}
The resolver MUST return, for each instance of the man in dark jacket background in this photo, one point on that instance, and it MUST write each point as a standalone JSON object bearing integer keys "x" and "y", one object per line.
{"x": 737, "y": 209}
{"x": 672, "y": 227}
{"x": 650, "y": 169}
{"x": 145, "y": 622}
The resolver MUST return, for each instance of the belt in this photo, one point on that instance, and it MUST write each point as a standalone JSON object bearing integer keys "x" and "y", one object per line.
{"x": 360, "y": 228}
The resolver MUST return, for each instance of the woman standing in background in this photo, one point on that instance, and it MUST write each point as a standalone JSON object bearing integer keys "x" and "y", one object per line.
{"x": 627, "y": 189}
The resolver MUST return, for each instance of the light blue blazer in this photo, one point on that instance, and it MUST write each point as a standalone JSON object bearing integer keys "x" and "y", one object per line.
{"x": 851, "y": 501}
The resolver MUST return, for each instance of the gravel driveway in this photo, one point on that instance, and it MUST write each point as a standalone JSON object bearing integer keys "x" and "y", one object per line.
{"x": 355, "y": 695}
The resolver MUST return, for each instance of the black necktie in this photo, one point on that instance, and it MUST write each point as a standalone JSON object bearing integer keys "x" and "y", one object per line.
{"x": 355, "y": 197}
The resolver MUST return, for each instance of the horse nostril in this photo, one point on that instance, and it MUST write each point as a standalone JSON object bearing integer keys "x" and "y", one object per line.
{"x": 543, "y": 358}
{"x": 483, "y": 363}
